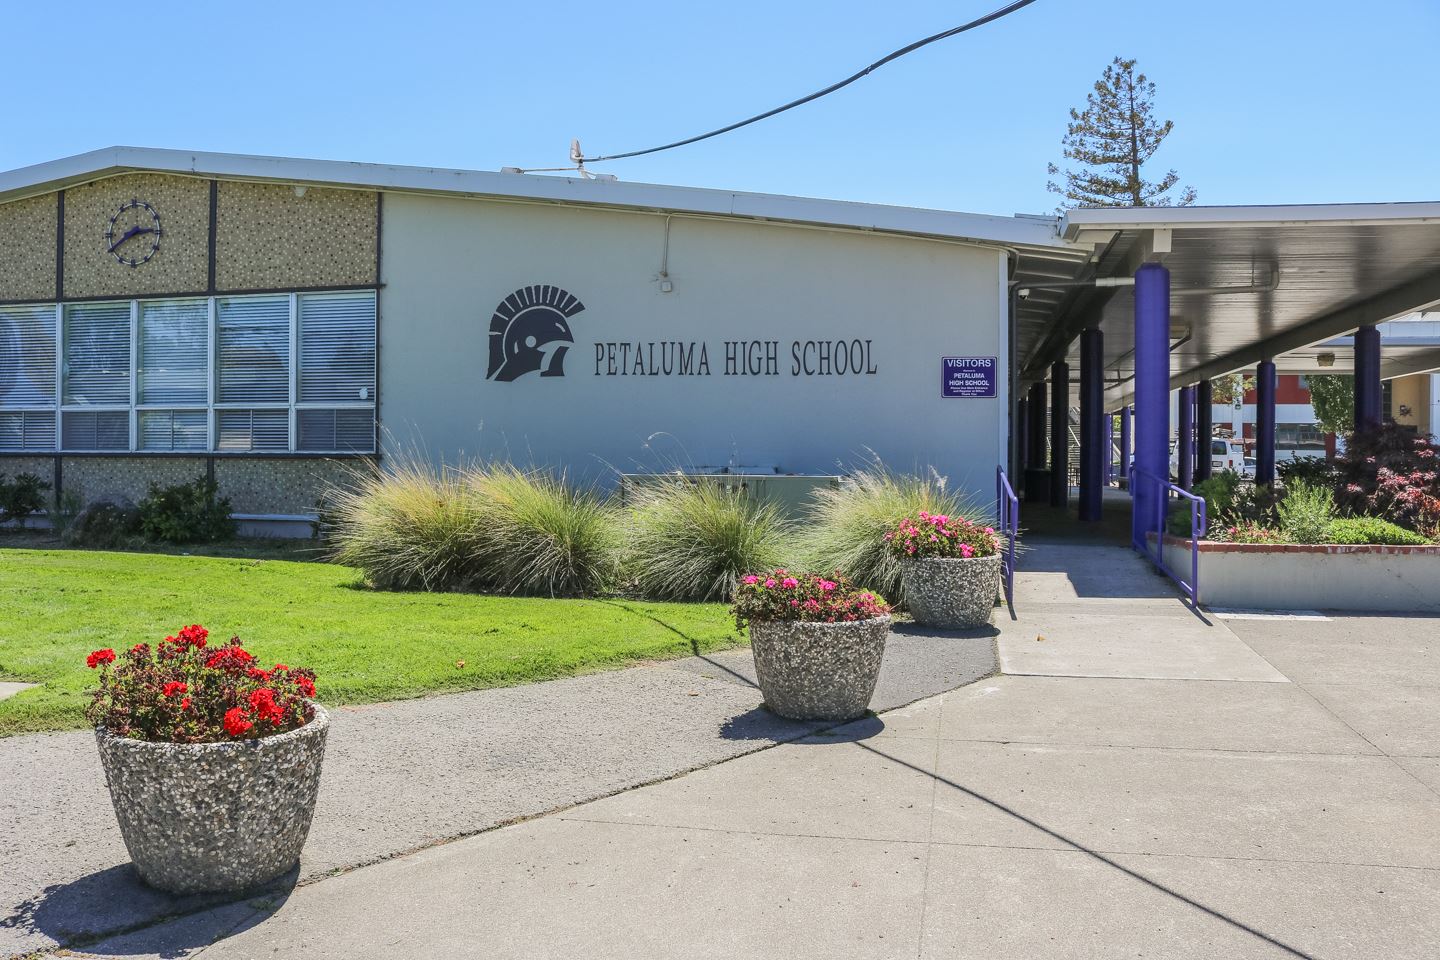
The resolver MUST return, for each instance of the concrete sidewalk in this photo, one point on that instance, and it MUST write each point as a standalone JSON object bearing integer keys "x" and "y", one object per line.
{"x": 1270, "y": 790}
{"x": 402, "y": 776}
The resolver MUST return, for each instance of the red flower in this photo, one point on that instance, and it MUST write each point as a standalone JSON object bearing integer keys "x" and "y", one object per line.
{"x": 185, "y": 703}
{"x": 236, "y": 722}
{"x": 262, "y": 701}
{"x": 100, "y": 656}
{"x": 195, "y": 636}
{"x": 174, "y": 687}
{"x": 307, "y": 686}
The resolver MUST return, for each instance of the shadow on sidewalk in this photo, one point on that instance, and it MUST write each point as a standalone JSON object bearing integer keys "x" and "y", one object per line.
{"x": 1097, "y": 855}
{"x": 113, "y": 912}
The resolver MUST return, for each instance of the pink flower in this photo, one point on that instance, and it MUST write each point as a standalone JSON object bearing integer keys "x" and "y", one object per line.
{"x": 751, "y": 579}
{"x": 769, "y": 581}
{"x": 789, "y": 583}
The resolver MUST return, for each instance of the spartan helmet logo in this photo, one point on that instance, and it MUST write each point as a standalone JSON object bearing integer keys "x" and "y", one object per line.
{"x": 530, "y": 331}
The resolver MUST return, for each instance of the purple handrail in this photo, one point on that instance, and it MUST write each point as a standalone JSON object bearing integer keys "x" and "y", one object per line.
{"x": 1198, "y": 524}
{"x": 1007, "y": 511}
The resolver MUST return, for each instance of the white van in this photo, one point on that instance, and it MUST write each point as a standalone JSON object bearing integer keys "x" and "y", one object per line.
{"x": 1226, "y": 453}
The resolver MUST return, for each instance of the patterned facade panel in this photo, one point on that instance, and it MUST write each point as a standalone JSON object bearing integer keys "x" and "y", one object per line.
{"x": 125, "y": 478}
{"x": 290, "y": 487}
{"x": 268, "y": 237}
{"x": 179, "y": 265}
{"x": 27, "y": 248}
{"x": 42, "y": 467}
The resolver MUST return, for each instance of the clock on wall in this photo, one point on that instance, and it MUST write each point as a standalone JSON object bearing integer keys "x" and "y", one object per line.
{"x": 133, "y": 235}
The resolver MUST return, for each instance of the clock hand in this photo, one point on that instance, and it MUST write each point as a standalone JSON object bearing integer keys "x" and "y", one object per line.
{"x": 132, "y": 232}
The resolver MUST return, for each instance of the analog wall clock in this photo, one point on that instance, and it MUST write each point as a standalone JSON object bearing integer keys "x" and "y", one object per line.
{"x": 133, "y": 235}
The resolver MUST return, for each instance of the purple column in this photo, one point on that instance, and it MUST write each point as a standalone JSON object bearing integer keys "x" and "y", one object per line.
{"x": 1185, "y": 439}
{"x": 1204, "y": 428}
{"x": 1125, "y": 442}
{"x": 1265, "y": 424}
{"x": 1152, "y": 398}
{"x": 1092, "y": 423}
{"x": 1368, "y": 414}
{"x": 1060, "y": 434}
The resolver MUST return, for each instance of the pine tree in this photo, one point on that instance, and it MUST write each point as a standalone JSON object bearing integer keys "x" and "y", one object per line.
{"x": 1111, "y": 140}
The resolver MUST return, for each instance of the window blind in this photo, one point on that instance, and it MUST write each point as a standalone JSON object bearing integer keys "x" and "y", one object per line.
{"x": 97, "y": 354}
{"x": 336, "y": 431}
{"x": 173, "y": 430}
{"x": 253, "y": 430}
{"x": 337, "y": 347}
{"x": 27, "y": 430}
{"x": 254, "y": 349}
{"x": 95, "y": 430}
{"x": 174, "y": 365}
{"x": 27, "y": 356}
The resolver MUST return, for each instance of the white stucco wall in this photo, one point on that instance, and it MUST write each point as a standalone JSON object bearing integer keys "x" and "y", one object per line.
{"x": 448, "y": 263}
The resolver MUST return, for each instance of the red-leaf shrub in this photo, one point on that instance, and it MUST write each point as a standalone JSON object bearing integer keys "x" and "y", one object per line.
{"x": 803, "y": 596}
{"x": 936, "y": 535}
{"x": 183, "y": 691}
{"x": 1394, "y": 473}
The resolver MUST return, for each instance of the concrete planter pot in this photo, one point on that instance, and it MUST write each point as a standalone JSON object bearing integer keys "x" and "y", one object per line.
{"x": 818, "y": 671}
{"x": 215, "y": 817}
{"x": 951, "y": 593}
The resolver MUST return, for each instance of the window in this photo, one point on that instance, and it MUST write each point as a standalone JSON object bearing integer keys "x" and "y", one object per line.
{"x": 274, "y": 373}
{"x": 27, "y": 378}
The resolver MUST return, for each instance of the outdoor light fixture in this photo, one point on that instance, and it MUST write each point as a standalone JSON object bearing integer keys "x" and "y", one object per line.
{"x": 1325, "y": 360}
{"x": 299, "y": 190}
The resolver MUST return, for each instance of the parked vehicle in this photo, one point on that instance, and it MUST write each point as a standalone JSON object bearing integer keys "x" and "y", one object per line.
{"x": 1226, "y": 453}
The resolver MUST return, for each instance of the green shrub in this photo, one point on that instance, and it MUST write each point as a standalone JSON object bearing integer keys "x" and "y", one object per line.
{"x": 186, "y": 513}
{"x": 1316, "y": 471}
{"x": 540, "y": 536}
{"x": 101, "y": 525}
{"x": 409, "y": 527}
{"x": 689, "y": 540}
{"x": 846, "y": 528}
{"x": 21, "y": 497}
{"x": 1306, "y": 513}
{"x": 1372, "y": 530}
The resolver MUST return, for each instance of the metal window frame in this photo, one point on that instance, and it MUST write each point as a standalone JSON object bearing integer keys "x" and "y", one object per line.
{"x": 211, "y": 407}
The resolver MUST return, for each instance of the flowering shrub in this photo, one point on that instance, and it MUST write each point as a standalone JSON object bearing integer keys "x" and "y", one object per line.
{"x": 807, "y": 597}
{"x": 1246, "y": 531}
{"x": 183, "y": 691}
{"x": 1393, "y": 473}
{"x": 937, "y": 535}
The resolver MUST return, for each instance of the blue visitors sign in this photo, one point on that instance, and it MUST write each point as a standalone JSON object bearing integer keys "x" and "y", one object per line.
{"x": 968, "y": 377}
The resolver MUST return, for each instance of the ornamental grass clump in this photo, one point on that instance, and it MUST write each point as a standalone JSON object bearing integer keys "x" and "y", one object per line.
{"x": 183, "y": 691}
{"x": 689, "y": 540}
{"x": 941, "y": 536}
{"x": 847, "y": 525}
{"x": 410, "y": 527}
{"x": 805, "y": 598}
{"x": 540, "y": 536}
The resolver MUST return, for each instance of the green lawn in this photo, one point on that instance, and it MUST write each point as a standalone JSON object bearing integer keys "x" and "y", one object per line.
{"x": 58, "y": 605}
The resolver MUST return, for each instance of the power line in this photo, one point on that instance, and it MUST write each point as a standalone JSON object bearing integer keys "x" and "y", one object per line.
{"x": 896, "y": 55}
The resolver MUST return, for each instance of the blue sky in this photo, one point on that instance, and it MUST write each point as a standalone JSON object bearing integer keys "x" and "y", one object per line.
{"x": 1274, "y": 101}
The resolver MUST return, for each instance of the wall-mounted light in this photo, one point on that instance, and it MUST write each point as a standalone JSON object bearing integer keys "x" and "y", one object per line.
{"x": 299, "y": 189}
{"x": 1404, "y": 409}
{"x": 1325, "y": 360}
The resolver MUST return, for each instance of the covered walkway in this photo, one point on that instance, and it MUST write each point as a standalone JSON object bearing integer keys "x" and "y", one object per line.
{"x": 1139, "y": 782}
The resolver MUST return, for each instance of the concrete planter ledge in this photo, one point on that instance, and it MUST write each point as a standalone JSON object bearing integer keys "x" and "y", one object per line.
{"x": 1324, "y": 576}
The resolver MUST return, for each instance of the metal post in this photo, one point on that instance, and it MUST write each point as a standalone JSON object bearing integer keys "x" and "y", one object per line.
{"x": 1265, "y": 423}
{"x": 1204, "y": 428}
{"x": 1060, "y": 434}
{"x": 1125, "y": 442}
{"x": 1092, "y": 427}
{"x": 1152, "y": 397}
{"x": 1107, "y": 448}
{"x": 1185, "y": 439}
{"x": 1368, "y": 414}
